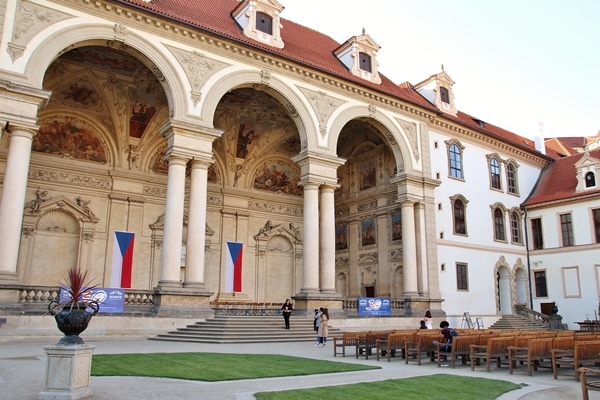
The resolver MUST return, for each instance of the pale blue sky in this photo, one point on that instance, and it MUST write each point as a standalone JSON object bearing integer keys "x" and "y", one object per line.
{"x": 515, "y": 63}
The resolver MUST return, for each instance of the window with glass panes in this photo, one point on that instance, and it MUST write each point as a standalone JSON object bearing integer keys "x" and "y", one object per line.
{"x": 462, "y": 278}
{"x": 566, "y": 228}
{"x": 541, "y": 288}
{"x": 455, "y": 161}
{"x": 536, "y": 233}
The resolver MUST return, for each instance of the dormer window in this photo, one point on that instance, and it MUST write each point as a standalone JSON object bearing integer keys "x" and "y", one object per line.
{"x": 264, "y": 23}
{"x": 359, "y": 55}
{"x": 259, "y": 20}
{"x": 437, "y": 89}
{"x": 444, "y": 95}
{"x": 587, "y": 168}
{"x": 590, "y": 180}
{"x": 365, "y": 61}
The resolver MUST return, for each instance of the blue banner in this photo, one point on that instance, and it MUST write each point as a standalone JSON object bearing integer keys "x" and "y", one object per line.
{"x": 110, "y": 300}
{"x": 374, "y": 306}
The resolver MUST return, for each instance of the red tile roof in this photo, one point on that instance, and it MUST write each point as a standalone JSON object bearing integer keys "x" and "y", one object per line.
{"x": 302, "y": 45}
{"x": 558, "y": 181}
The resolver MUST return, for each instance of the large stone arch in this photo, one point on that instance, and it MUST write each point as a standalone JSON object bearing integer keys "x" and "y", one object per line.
{"x": 274, "y": 87}
{"x": 157, "y": 58}
{"x": 395, "y": 137}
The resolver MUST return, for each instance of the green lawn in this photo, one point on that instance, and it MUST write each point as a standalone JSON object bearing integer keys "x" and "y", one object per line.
{"x": 424, "y": 387}
{"x": 213, "y": 367}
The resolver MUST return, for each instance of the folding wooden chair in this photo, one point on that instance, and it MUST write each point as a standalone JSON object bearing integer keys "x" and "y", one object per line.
{"x": 537, "y": 350}
{"x": 585, "y": 353}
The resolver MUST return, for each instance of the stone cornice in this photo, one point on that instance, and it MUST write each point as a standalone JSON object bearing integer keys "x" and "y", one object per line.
{"x": 229, "y": 48}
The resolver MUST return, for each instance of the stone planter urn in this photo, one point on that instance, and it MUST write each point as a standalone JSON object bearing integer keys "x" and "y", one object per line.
{"x": 73, "y": 318}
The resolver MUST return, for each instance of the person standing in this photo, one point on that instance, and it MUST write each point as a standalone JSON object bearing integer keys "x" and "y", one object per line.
{"x": 286, "y": 310}
{"x": 428, "y": 320}
{"x": 316, "y": 321}
{"x": 323, "y": 328}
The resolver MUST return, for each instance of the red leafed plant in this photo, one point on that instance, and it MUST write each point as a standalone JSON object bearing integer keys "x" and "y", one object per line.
{"x": 77, "y": 282}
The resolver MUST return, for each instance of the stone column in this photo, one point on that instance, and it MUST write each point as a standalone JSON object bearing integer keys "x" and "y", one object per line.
{"x": 12, "y": 199}
{"x": 423, "y": 282}
{"x": 409, "y": 249}
{"x": 327, "y": 240}
{"x": 196, "y": 235}
{"x": 310, "y": 237}
{"x": 173, "y": 231}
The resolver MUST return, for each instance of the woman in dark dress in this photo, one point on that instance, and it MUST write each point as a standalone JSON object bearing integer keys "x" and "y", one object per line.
{"x": 286, "y": 310}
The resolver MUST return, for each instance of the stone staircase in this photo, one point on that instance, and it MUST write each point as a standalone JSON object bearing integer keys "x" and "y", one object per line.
{"x": 246, "y": 329}
{"x": 517, "y": 322}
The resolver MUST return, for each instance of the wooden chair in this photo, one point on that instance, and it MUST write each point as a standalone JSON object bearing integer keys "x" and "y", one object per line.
{"x": 496, "y": 348}
{"x": 537, "y": 350}
{"x": 585, "y": 353}
{"x": 586, "y": 384}
{"x": 394, "y": 343}
{"x": 460, "y": 348}
{"x": 348, "y": 339}
{"x": 365, "y": 346}
{"x": 564, "y": 343}
{"x": 422, "y": 345}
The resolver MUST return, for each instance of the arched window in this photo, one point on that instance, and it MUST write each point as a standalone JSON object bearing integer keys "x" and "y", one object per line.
{"x": 264, "y": 23}
{"x": 590, "y": 180}
{"x": 495, "y": 174}
{"x": 515, "y": 227}
{"x": 455, "y": 156}
{"x": 460, "y": 225}
{"x": 511, "y": 178}
{"x": 499, "y": 233}
{"x": 364, "y": 61}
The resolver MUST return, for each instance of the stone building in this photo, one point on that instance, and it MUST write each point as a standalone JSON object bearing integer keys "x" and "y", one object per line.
{"x": 197, "y": 123}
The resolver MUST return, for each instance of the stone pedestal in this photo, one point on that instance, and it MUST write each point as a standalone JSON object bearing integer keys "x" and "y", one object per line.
{"x": 68, "y": 370}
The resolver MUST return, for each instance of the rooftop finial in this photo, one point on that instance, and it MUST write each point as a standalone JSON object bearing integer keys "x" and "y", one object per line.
{"x": 364, "y": 31}
{"x": 442, "y": 67}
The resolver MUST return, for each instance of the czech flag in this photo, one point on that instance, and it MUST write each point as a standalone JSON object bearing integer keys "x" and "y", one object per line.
{"x": 233, "y": 267}
{"x": 122, "y": 260}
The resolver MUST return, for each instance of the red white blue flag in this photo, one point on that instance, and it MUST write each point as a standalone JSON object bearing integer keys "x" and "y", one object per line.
{"x": 122, "y": 262}
{"x": 233, "y": 267}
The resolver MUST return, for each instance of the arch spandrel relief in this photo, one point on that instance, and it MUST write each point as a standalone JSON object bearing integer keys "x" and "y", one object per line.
{"x": 323, "y": 105}
{"x": 198, "y": 69}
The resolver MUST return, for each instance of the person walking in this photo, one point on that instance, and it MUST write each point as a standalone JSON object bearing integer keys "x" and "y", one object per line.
{"x": 286, "y": 310}
{"x": 323, "y": 328}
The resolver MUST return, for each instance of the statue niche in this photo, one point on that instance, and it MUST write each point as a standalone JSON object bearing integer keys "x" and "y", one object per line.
{"x": 278, "y": 261}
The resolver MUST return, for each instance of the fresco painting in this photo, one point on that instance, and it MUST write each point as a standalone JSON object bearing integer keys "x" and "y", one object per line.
{"x": 278, "y": 178}
{"x": 68, "y": 138}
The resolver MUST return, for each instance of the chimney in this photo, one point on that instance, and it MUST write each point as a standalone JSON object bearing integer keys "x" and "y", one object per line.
{"x": 540, "y": 144}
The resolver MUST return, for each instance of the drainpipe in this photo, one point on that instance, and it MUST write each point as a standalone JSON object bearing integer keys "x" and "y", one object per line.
{"x": 528, "y": 260}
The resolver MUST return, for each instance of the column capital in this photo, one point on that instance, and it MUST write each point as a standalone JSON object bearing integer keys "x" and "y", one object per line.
{"x": 176, "y": 159}
{"x": 189, "y": 140}
{"x": 20, "y": 104}
{"x": 317, "y": 167}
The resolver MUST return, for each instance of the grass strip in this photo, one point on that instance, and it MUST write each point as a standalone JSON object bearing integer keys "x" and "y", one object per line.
{"x": 437, "y": 386}
{"x": 213, "y": 367}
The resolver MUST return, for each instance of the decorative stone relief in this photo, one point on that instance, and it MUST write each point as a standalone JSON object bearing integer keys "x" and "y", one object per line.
{"x": 215, "y": 200}
{"x": 275, "y": 208}
{"x": 342, "y": 212}
{"x": 411, "y": 132}
{"x": 83, "y": 204}
{"x": 155, "y": 191}
{"x": 33, "y": 206}
{"x": 395, "y": 255}
{"x": 372, "y": 110}
{"x": 30, "y": 19}
{"x": 323, "y": 105}
{"x": 27, "y": 231}
{"x": 292, "y": 110}
{"x": 69, "y": 178}
{"x": 367, "y": 206}
{"x": 198, "y": 68}
{"x": 265, "y": 76}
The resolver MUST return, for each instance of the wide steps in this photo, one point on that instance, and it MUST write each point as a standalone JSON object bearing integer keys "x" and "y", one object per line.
{"x": 511, "y": 322}
{"x": 246, "y": 329}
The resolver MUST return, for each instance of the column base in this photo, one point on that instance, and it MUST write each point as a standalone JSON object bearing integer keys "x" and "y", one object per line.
{"x": 68, "y": 370}
{"x": 182, "y": 302}
{"x": 8, "y": 278}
